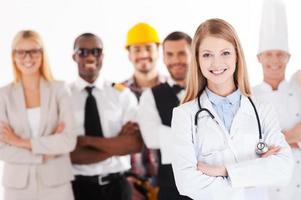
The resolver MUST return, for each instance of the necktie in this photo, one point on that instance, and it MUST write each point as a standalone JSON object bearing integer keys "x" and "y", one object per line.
{"x": 177, "y": 88}
{"x": 92, "y": 120}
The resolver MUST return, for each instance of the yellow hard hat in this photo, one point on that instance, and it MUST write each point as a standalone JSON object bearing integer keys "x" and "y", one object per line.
{"x": 142, "y": 33}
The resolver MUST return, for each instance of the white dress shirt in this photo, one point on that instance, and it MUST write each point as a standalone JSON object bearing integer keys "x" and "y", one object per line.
{"x": 287, "y": 103}
{"x": 155, "y": 134}
{"x": 115, "y": 109}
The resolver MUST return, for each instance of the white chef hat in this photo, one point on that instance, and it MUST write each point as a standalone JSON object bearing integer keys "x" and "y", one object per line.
{"x": 273, "y": 28}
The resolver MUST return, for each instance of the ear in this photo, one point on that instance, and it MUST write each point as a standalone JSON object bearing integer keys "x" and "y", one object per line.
{"x": 259, "y": 57}
{"x": 289, "y": 56}
{"x": 129, "y": 55}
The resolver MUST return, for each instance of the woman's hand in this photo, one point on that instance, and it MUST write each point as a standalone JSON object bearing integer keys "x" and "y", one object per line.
{"x": 212, "y": 170}
{"x": 58, "y": 130}
{"x": 272, "y": 151}
{"x": 8, "y": 136}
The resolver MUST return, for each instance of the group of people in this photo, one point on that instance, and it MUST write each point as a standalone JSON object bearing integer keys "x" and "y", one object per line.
{"x": 200, "y": 133}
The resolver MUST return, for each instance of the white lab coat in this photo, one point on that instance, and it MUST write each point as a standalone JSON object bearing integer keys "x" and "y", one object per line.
{"x": 287, "y": 103}
{"x": 213, "y": 144}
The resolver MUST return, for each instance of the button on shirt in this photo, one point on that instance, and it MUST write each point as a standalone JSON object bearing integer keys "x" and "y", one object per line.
{"x": 115, "y": 109}
{"x": 226, "y": 107}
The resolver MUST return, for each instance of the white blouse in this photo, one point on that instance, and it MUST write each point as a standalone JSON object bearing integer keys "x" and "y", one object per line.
{"x": 34, "y": 115}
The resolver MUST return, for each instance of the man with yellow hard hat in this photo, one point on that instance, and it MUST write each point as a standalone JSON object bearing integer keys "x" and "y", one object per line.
{"x": 143, "y": 47}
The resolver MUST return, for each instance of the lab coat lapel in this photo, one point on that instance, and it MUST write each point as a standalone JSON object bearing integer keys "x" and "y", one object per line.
{"x": 244, "y": 112}
{"x": 207, "y": 104}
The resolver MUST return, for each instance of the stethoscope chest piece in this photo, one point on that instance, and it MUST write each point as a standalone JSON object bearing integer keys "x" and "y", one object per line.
{"x": 261, "y": 148}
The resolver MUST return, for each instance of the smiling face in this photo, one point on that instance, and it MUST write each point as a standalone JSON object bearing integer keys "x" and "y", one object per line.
{"x": 177, "y": 56}
{"x": 217, "y": 60}
{"x": 144, "y": 57}
{"x": 273, "y": 64}
{"x": 27, "y": 57}
{"x": 89, "y": 63}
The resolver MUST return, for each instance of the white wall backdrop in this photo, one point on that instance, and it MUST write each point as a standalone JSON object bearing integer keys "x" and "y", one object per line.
{"x": 60, "y": 21}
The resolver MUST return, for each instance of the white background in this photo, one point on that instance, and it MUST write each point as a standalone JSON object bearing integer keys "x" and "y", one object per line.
{"x": 60, "y": 21}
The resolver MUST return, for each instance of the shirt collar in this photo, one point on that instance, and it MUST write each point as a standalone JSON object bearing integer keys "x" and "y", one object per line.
{"x": 81, "y": 84}
{"x": 232, "y": 98}
{"x": 131, "y": 82}
{"x": 282, "y": 86}
{"x": 171, "y": 82}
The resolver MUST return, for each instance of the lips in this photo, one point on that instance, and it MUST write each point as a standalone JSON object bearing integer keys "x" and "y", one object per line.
{"x": 218, "y": 71}
{"x": 90, "y": 65}
{"x": 28, "y": 65}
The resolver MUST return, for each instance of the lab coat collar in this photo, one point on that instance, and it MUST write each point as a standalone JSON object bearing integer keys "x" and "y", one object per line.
{"x": 217, "y": 100}
{"x": 245, "y": 106}
{"x": 205, "y": 103}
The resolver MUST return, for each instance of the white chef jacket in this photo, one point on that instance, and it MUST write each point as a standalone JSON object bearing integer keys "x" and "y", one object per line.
{"x": 287, "y": 103}
{"x": 211, "y": 143}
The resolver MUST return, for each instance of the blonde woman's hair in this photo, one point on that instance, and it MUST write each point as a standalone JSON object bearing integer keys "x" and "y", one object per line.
{"x": 34, "y": 36}
{"x": 196, "y": 82}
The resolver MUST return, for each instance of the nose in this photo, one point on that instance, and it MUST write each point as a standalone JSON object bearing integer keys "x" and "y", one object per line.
{"x": 215, "y": 61}
{"x": 90, "y": 58}
{"x": 27, "y": 56}
{"x": 175, "y": 59}
{"x": 143, "y": 53}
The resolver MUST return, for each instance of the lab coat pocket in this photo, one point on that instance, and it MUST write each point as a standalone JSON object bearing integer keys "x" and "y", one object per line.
{"x": 248, "y": 146}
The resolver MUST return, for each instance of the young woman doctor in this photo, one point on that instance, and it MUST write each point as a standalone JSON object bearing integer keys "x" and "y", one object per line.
{"x": 226, "y": 144}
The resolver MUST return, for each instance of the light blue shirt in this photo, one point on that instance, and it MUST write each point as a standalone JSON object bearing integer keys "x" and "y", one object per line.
{"x": 226, "y": 107}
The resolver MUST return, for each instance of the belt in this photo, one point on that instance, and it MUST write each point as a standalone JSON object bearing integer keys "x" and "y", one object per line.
{"x": 100, "y": 179}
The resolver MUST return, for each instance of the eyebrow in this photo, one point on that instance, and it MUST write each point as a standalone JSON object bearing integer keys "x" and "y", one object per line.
{"x": 225, "y": 49}
{"x": 206, "y": 50}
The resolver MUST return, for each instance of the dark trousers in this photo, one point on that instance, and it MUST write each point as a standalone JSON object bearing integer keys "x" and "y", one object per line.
{"x": 119, "y": 189}
{"x": 170, "y": 193}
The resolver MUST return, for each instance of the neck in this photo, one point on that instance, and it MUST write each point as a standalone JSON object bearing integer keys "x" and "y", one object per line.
{"x": 181, "y": 83}
{"x": 274, "y": 83}
{"x": 222, "y": 89}
{"x": 31, "y": 82}
{"x": 90, "y": 80}
{"x": 146, "y": 80}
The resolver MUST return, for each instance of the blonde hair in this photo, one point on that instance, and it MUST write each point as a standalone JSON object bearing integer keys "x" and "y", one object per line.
{"x": 31, "y": 35}
{"x": 196, "y": 82}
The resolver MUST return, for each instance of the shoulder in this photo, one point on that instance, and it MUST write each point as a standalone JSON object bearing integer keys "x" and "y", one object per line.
{"x": 117, "y": 91}
{"x": 58, "y": 88}
{"x": 295, "y": 81}
{"x": 190, "y": 107}
{"x": 6, "y": 90}
{"x": 118, "y": 86}
{"x": 160, "y": 87}
{"x": 262, "y": 106}
{"x": 58, "y": 85}
{"x": 258, "y": 89}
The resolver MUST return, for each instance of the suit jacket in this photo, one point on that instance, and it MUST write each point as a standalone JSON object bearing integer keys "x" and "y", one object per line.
{"x": 55, "y": 108}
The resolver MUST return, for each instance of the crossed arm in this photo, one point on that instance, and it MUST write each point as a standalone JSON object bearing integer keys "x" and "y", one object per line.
{"x": 91, "y": 149}
{"x": 293, "y": 136}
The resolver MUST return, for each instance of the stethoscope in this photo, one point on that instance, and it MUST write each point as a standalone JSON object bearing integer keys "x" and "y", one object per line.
{"x": 261, "y": 146}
